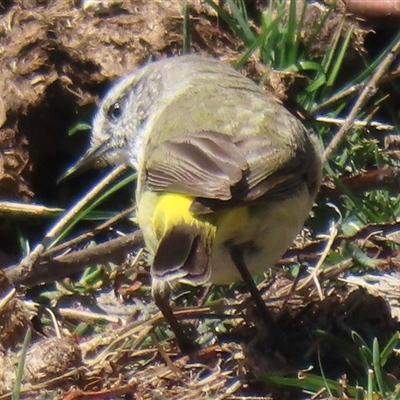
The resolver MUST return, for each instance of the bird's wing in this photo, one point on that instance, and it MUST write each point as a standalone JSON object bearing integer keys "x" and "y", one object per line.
{"x": 217, "y": 170}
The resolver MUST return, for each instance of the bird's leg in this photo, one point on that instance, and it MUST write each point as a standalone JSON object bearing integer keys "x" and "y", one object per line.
{"x": 237, "y": 256}
{"x": 161, "y": 298}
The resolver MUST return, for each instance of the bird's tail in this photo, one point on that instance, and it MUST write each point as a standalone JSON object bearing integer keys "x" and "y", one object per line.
{"x": 184, "y": 242}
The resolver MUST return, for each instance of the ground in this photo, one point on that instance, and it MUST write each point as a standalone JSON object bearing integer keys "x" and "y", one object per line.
{"x": 57, "y": 60}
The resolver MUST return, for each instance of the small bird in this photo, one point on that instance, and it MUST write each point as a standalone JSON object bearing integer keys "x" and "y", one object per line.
{"x": 226, "y": 175}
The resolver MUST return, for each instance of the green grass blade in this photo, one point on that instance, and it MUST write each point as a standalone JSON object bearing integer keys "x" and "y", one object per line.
{"x": 78, "y": 128}
{"x": 318, "y": 29}
{"x": 389, "y": 348}
{"x": 292, "y": 41}
{"x": 300, "y": 24}
{"x": 114, "y": 188}
{"x": 326, "y": 384}
{"x": 227, "y": 19}
{"x": 21, "y": 365}
{"x": 377, "y": 366}
{"x": 366, "y": 74}
{"x": 370, "y": 389}
{"x": 249, "y": 36}
{"x": 361, "y": 257}
{"x": 270, "y": 28}
{"x": 242, "y": 6}
{"x": 365, "y": 352}
{"x": 310, "y": 383}
{"x": 359, "y": 393}
{"x": 255, "y": 45}
{"x": 340, "y": 57}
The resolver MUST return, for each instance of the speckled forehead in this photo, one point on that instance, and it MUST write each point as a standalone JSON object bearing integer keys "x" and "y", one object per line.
{"x": 119, "y": 91}
{"x": 128, "y": 84}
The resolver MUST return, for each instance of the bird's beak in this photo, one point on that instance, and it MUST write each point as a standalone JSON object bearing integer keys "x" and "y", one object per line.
{"x": 89, "y": 160}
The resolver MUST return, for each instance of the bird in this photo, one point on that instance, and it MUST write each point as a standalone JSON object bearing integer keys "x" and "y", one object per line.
{"x": 227, "y": 176}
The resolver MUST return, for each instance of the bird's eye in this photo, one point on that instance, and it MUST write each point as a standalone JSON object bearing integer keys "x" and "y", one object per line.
{"x": 114, "y": 111}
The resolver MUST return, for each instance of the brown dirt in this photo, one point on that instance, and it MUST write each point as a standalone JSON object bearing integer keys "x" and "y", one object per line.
{"x": 58, "y": 56}
{"x": 56, "y": 59}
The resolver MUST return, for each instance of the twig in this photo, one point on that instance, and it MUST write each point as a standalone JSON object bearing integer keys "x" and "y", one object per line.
{"x": 385, "y": 178}
{"x": 28, "y": 262}
{"x": 87, "y": 235}
{"x": 55, "y": 322}
{"x": 112, "y": 393}
{"x": 379, "y": 126}
{"x": 86, "y": 316}
{"x": 350, "y": 92}
{"x": 5, "y": 298}
{"x": 338, "y": 97}
{"x": 23, "y": 209}
{"x": 66, "y": 265}
{"x": 314, "y": 275}
{"x": 368, "y": 91}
